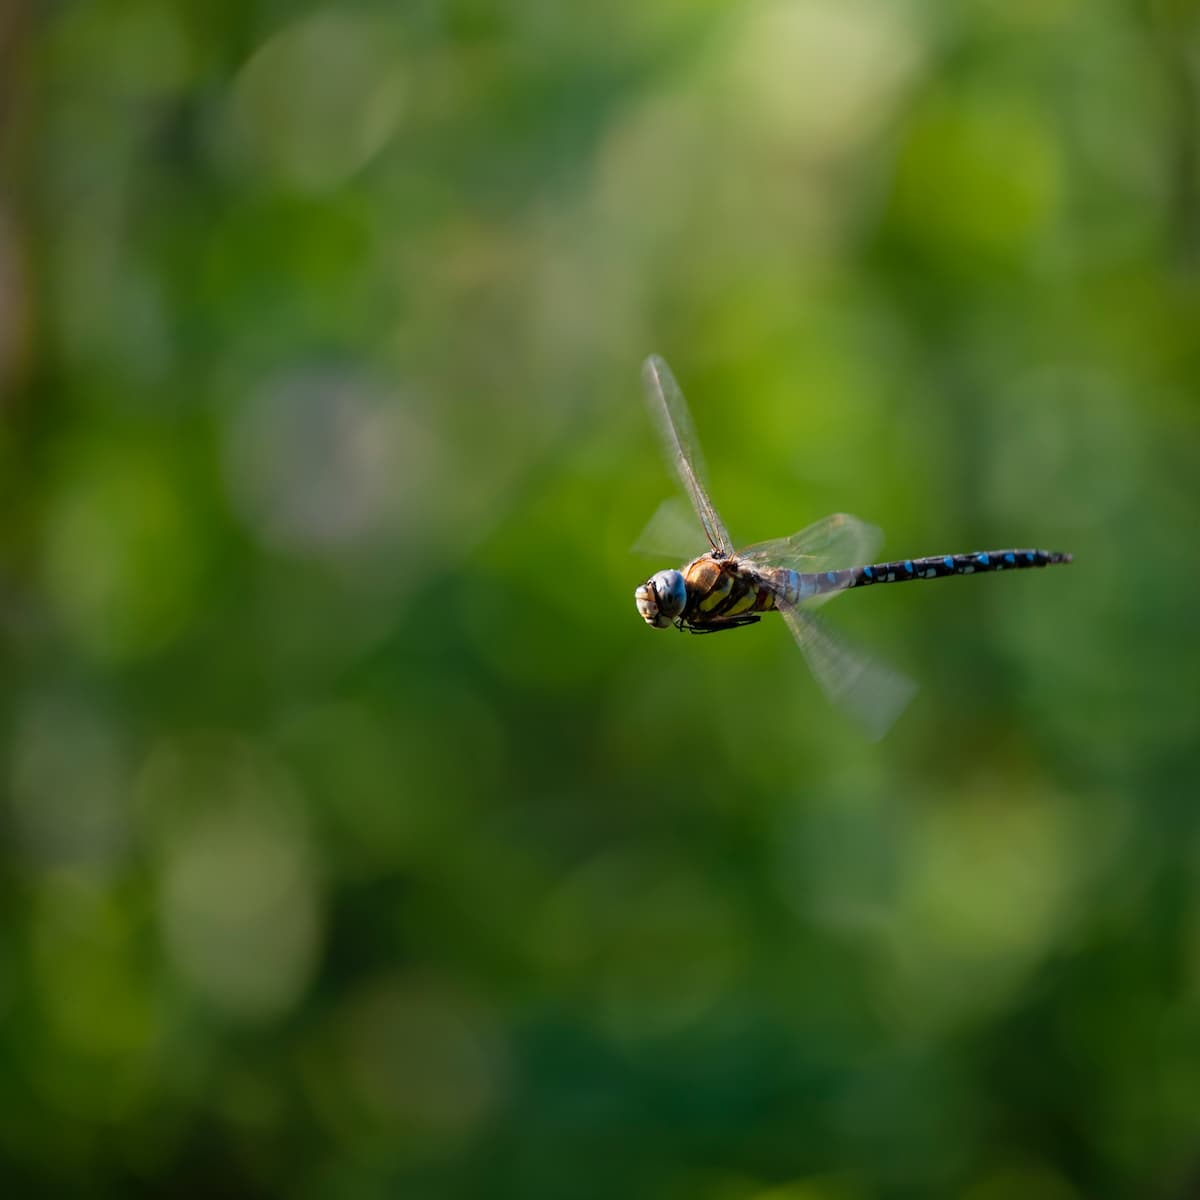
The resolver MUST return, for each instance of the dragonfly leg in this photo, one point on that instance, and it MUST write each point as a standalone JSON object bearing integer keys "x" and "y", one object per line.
{"x": 720, "y": 626}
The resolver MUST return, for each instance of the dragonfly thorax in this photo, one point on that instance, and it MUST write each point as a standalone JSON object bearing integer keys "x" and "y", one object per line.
{"x": 661, "y": 598}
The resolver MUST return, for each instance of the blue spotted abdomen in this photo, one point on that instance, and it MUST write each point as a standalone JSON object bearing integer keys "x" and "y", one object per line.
{"x": 939, "y": 566}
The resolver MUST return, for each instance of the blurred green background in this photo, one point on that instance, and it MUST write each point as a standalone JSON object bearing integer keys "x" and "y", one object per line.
{"x": 358, "y": 839}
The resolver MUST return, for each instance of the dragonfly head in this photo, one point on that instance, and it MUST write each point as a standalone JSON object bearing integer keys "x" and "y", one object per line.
{"x": 661, "y": 598}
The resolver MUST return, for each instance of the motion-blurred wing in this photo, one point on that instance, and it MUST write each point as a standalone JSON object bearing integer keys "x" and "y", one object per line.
{"x": 827, "y": 545}
{"x": 873, "y": 694}
{"x": 670, "y": 533}
{"x": 670, "y": 413}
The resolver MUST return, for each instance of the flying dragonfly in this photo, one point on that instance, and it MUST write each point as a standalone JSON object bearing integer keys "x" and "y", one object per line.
{"x": 727, "y": 589}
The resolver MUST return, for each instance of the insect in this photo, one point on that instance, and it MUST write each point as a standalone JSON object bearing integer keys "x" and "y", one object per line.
{"x": 727, "y": 589}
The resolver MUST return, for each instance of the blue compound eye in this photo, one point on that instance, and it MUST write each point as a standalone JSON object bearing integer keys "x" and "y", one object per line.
{"x": 672, "y": 593}
{"x": 661, "y": 598}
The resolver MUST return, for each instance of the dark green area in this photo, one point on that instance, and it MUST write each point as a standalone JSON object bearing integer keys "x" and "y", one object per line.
{"x": 358, "y": 840}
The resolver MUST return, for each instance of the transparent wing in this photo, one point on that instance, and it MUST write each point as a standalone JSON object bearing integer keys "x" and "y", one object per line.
{"x": 872, "y": 694}
{"x": 670, "y": 413}
{"x": 670, "y": 533}
{"x": 829, "y": 544}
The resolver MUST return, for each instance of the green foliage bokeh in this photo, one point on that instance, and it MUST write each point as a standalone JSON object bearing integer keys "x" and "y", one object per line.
{"x": 358, "y": 838}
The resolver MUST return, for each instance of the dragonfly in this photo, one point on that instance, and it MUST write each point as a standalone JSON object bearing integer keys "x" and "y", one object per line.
{"x": 726, "y": 588}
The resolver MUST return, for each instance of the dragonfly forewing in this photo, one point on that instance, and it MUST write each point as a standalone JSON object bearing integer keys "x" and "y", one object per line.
{"x": 670, "y": 533}
{"x": 674, "y": 423}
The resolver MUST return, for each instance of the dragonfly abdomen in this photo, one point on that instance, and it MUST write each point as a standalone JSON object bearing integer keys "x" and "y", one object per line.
{"x": 938, "y": 566}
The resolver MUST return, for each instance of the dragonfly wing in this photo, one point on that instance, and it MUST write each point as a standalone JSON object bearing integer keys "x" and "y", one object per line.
{"x": 833, "y": 542}
{"x": 870, "y": 692}
{"x": 670, "y": 413}
{"x": 829, "y": 544}
{"x": 670, "y": 533}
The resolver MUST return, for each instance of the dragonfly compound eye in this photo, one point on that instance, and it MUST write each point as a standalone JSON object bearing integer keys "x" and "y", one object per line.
{"x": 672, "y": 594}
{"x": 661, "y": 599}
